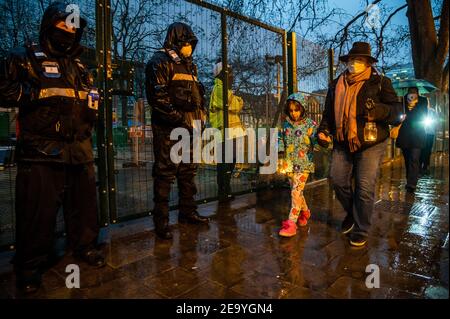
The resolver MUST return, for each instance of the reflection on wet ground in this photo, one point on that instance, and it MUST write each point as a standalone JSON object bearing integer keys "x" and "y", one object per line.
{"x": 240, "y": 254}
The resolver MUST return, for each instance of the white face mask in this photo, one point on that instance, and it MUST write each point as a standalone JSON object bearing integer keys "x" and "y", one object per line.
{"x": 356, "y": 67}
{"x": 412, "y": 97}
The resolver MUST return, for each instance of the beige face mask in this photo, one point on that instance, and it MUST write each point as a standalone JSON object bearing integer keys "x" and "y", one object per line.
{"x": 356, "y": 67}
{"x": 186, "y": 51}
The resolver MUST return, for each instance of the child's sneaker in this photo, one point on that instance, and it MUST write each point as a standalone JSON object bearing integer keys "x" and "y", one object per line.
{"x": 306, "y": 214}
{"x": 302, "y": 221}
{"x": 303, "y": 218}
{"x": 288, "y": 228}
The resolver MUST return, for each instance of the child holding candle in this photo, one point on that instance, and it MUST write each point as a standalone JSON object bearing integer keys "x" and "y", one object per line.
{"x": 295, "y": 146}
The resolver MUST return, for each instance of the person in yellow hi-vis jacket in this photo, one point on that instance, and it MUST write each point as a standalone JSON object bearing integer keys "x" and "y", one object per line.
{"x": 235, "y": 105}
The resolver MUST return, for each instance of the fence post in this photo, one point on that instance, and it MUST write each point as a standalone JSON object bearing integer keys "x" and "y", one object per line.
{"x": 285, "y": 65}
{"x": 105, "y": 145}
{"x": 292, "y": 62}
{"x": 225, "y": 90}
{"x": 330, "y": 65}
{"x": 109, "y": 114}
{"x": 100, "y": 131}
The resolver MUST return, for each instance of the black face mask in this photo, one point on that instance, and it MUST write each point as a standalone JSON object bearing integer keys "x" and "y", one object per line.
{"x": 61, "y": 40}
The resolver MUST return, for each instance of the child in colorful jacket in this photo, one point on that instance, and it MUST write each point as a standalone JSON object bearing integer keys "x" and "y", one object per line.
{"x": 296, "y": 142}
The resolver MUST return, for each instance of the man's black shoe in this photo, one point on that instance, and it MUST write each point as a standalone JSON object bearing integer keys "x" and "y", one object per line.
{"x": 92, "y": 257}
{"x": 193, "y": 218}
{"x": 28, "y": 282}
{"x": 163, "y": 231}
{"x": 347, "y": 225}
{"x": 162, "y": 228}
{"x": 357, "y": 240}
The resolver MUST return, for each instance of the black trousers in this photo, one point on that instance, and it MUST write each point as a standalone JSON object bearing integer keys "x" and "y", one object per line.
{"x": 412, "y": 158}
{"x": 165, "y": 172}
{"x": 225, "y": 171}
{"x": 425, "y": 154}
{"x": 41, "y": 190}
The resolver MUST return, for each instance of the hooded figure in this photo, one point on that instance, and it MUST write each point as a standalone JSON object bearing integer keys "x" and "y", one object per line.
{"x": 176, "y": 99}
{"x": 235, "y": 127}
{"x": 56, "y": 41}
{"x": 297, "y": 137}
{"x": 38, "y": 78}
{"x": 173, "y": 90}
{"x": 235, "y": 103}
{"x": 178, "y": 35}
{"x": 412, "y": 135}
{"x": 57, "y": 111}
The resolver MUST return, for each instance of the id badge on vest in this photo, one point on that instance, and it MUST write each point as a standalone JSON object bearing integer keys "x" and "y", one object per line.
{"x": 93, "y": 98}
{"x": 51, "y": 69}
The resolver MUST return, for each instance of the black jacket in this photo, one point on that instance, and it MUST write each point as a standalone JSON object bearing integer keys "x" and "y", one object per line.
{"x": 51, "y": 90}
{"x": 172, "y": 87}
{"x": 387, "y": 110}
{"x": 412, "y": 132}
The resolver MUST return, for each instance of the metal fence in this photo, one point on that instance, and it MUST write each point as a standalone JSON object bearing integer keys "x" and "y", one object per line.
{"x": 312, "y": 67}
{"x": 248, "y": 46}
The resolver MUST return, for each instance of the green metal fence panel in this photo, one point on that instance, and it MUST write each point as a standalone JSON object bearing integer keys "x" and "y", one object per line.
{"x": 257, "y": 59}
{"x": 133, "y": 153}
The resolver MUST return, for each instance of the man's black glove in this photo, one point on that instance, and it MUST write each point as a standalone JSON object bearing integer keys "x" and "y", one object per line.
{"x": 170, "y": 115}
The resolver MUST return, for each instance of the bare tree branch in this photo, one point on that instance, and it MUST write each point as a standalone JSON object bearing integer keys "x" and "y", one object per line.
{"x": 298, "y": 15}
{"x": 383, "y": 27}
{"x": 344, "y": 30}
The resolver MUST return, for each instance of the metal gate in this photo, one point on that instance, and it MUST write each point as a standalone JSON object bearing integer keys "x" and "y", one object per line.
{"x": 255, "y": 51}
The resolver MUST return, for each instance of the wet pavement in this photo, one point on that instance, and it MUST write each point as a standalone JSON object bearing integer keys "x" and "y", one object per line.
{"x": 240, "y": 254}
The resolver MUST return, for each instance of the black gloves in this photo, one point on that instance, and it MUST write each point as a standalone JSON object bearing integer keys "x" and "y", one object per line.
{"x": 170, "y": 115}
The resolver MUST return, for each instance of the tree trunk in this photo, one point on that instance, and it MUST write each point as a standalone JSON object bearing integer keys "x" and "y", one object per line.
{"x": 429, "y": 49}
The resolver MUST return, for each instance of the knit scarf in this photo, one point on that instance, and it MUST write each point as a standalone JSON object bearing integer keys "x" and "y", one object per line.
{"x": 347, "y": 90}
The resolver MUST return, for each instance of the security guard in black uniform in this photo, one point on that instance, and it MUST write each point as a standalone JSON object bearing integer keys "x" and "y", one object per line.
{"x": 57, "y": 110}
{"x": 177, "y": 100}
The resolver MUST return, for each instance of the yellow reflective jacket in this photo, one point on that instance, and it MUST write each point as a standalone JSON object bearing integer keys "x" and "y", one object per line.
{"x": 235, "y": 105}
